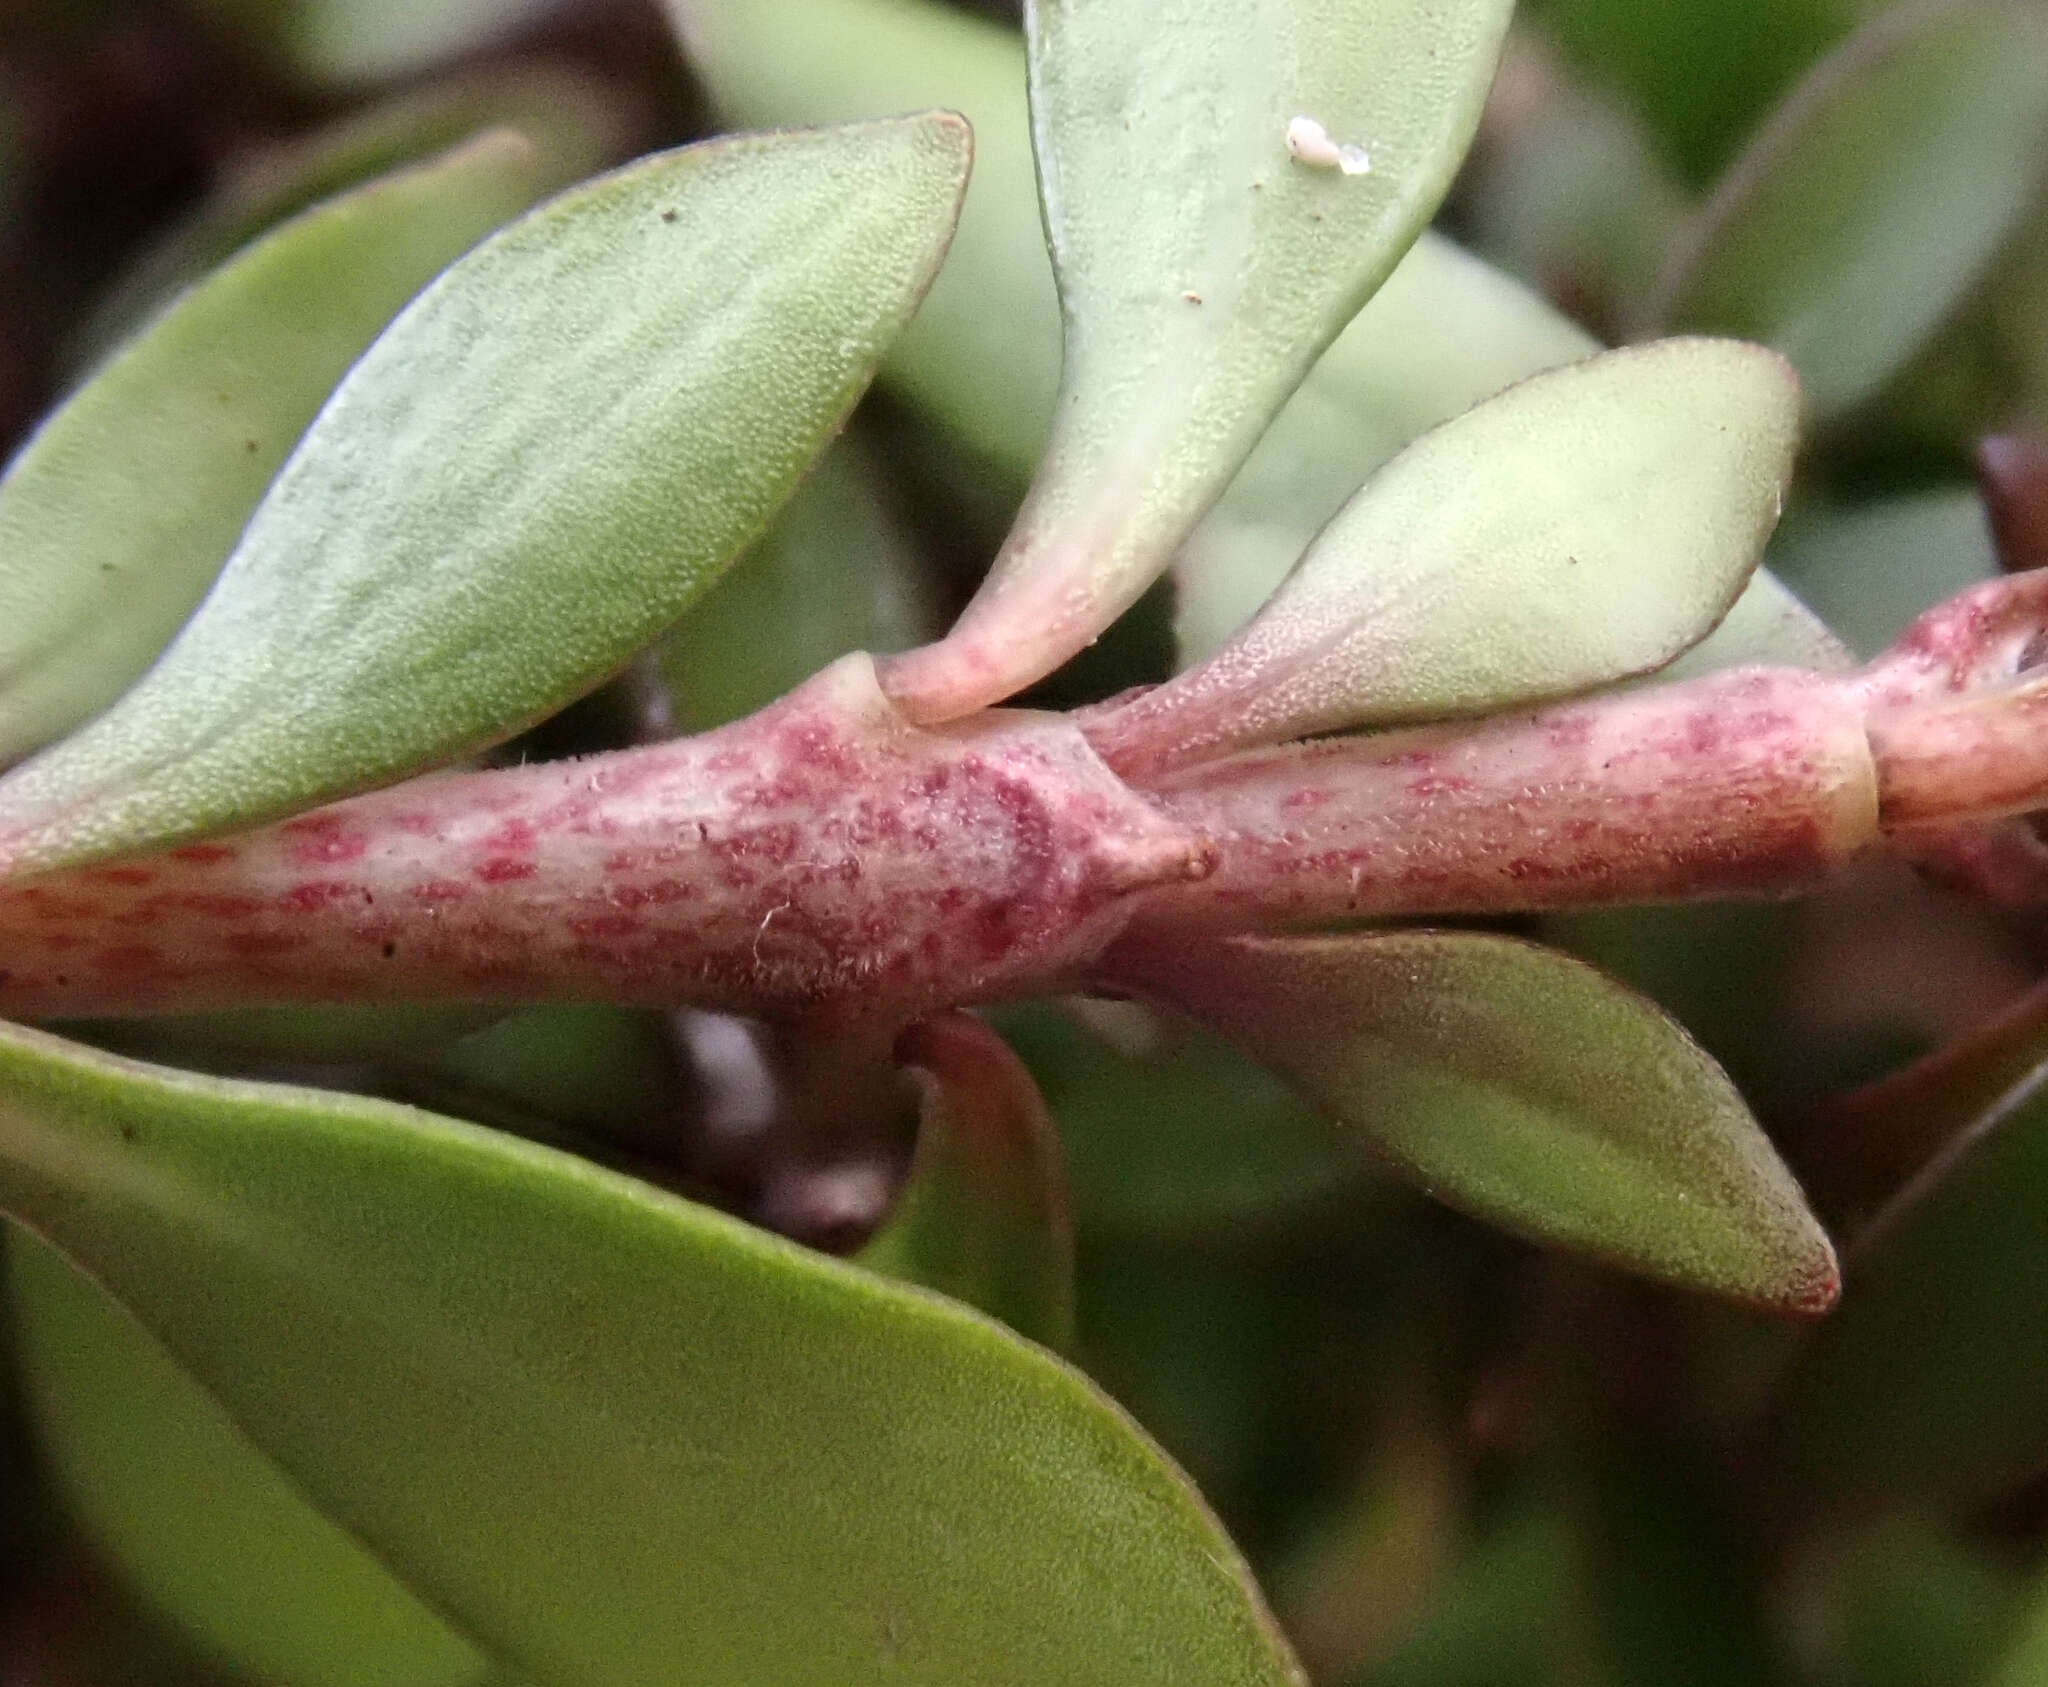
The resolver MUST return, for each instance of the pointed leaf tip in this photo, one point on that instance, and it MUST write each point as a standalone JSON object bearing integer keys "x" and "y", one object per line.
{"x": 1586, "y": 525}
{"x": 539, "y": 465}
{"x": 1523, "y": 1087}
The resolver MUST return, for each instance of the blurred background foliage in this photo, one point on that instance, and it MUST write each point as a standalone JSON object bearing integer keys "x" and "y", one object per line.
{"x": 1453, "y": 1460}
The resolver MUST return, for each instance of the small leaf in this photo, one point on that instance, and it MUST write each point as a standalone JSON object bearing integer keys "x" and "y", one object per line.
{"x": 1586, "y": 525}
{"x": 536, "y": 468}
{"x": 1206, "y": 254}
{"x": 194, "y": 1518}
{"x": 983, "y": 1217}
{"x": 618, "y": 1438}
{"x": 1862, "y": 213}
{"x": 1523, "y": 1087}
{"x": 117, "y": 515}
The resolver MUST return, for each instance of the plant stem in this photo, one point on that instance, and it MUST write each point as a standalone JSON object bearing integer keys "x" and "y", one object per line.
{"x": 828, "y": 866}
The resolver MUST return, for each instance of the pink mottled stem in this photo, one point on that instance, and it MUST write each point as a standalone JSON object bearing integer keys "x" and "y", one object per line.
{"x": 820, "y": 857}
{"x": 1752, "y": 781}
{"x": 828, "y": 862}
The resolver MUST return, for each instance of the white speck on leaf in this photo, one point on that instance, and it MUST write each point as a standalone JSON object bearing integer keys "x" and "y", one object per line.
{"x": 1310, "y": 142}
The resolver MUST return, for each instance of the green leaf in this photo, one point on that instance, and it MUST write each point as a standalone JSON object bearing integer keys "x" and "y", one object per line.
{"x": 1861, "y": 215}
{"x": 1444, "y": 333}
{"x": 117, "y": 515}
{"x": 195, "y": 1519}
{"x": 1523, "y": 1087}
{"x": 1700, "y": 73}
{"x": 329, "y": 1033}
{"x": 539, "y": 465}
{"x": 983, "y": 1217}
{"x": 1586, "y": 525}
{"x": 1202, "y": 270}
{"x": 982, "y": 356}
{"x": 618, "y": 1438}
{"x": 574, "y": 124}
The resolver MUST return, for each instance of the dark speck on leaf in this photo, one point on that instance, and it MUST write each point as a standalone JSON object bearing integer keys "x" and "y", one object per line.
{"x": 668, "y": 216}
{"x": 390, "y": 950}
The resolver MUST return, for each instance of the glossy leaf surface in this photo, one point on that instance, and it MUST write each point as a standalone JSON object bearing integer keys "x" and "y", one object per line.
{"x": 1586, "y": 525}
{"x": 1205, "y": 259}
{"x": 619, "y": 1438}
{"x": 984, "y": 1215}
{"x": 195, "y": 1519}
{"x": 539, "y": 465}
{"x": 1862, "y": 213}
{"x": 1523, "y": 1087}
{"x": 117, "y": 515}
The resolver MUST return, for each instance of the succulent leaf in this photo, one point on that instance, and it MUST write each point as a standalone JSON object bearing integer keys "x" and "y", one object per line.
{"x": 1522, "y": 1086}
{"x": 616, "y": 1437}
{"x": 537, "y": 467}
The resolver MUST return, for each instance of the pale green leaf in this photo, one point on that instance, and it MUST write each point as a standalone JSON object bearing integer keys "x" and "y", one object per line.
{"x": 574, "y": 124}
{"x": 983, "y": 1216}
{"x": 1523, "y": 1087}
{"x": 1862, "y": 213}
{"x": 1445, "y": 332}
{"x": 118, "y": 514}
{"x": 1208, "y": 249}
{"x": 617, "y": 1438}
{"x": 1586, "y": 525}
{"x": 539, "y": 465}
{"x": 983, "y": 354}
{"x": 192, "y": 1517}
